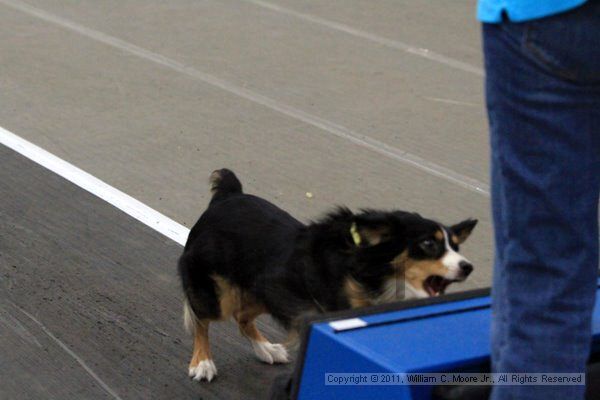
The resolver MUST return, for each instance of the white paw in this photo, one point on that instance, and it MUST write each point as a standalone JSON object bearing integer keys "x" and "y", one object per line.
{"x": 205, "y": 370}
{"x": 270, "y": 353}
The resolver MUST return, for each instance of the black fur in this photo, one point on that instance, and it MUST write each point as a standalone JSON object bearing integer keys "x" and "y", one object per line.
{"x": 290, "y": 267}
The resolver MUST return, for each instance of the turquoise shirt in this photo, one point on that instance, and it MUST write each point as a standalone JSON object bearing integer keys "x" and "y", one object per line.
{"x": 522, "y": 10}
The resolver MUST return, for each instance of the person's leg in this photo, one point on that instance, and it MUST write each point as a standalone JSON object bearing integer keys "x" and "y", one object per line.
{"x": 499, "y": 308}
{"x": 543, "y": 94}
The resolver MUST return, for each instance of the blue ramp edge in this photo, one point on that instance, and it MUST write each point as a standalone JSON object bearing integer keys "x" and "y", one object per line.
{"x": 448, "y": 334}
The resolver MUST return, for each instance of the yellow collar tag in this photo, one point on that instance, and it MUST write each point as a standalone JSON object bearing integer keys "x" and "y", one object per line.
{"x": 355, "y": 235}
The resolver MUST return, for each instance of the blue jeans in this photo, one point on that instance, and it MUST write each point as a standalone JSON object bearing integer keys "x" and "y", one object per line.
{"x": 543, "y": 99}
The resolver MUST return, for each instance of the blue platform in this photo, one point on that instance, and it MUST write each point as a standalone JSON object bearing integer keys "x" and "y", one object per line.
{"x": 447, "y": 334}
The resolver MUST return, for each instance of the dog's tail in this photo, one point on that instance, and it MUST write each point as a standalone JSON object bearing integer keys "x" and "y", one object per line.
{"x": 224, "y": 183}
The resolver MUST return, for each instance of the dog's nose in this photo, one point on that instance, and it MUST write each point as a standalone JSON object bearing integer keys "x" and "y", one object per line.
{"x": 466, "y": 267}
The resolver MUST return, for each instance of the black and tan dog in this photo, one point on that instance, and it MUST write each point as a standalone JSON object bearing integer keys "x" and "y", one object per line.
{"x": 245, "y": 257}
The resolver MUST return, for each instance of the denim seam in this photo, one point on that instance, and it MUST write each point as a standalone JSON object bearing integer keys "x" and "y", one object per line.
{"x": 542, "y": 59}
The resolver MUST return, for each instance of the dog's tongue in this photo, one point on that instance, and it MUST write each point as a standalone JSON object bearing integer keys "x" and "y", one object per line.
{"x": 430, "y": 291}
{"x": 436, "y": 285}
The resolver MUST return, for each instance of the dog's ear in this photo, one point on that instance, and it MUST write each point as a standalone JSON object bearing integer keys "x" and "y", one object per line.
{"x": 370, "y": 230}
{"x": 463, "y": 229}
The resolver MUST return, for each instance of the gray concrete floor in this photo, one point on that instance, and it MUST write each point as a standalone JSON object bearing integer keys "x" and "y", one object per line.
{"x": 335, "y": 98}
{"x": 90, "y": 307}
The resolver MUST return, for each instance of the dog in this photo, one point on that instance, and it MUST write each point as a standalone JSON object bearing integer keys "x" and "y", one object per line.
{"x": 245, "y": 257}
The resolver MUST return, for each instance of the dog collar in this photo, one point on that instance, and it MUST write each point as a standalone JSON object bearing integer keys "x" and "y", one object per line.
{"x": 355, "y": 235}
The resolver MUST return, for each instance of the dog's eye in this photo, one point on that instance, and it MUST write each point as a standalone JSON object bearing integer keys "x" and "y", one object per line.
{"x": 428, "y": 246}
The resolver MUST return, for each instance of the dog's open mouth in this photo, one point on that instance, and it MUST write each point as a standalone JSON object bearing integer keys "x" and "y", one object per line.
{"x": 436, "y": 285}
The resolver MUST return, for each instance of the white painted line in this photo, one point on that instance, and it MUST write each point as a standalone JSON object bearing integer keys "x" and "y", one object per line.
{"x": 394, "y": 44}
{"x": 455, "y": 102}
{"x": 122, "y": 201}
{"x": 69, "y": 352}
{"x": 321, "y": 123}
{"x": 17, "y": 327}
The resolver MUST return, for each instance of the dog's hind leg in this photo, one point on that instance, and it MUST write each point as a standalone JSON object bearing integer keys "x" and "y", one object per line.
{"x": 265, "y": 351}
{"x": 200, "y": 306}
{"x": 202, "y": 365}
